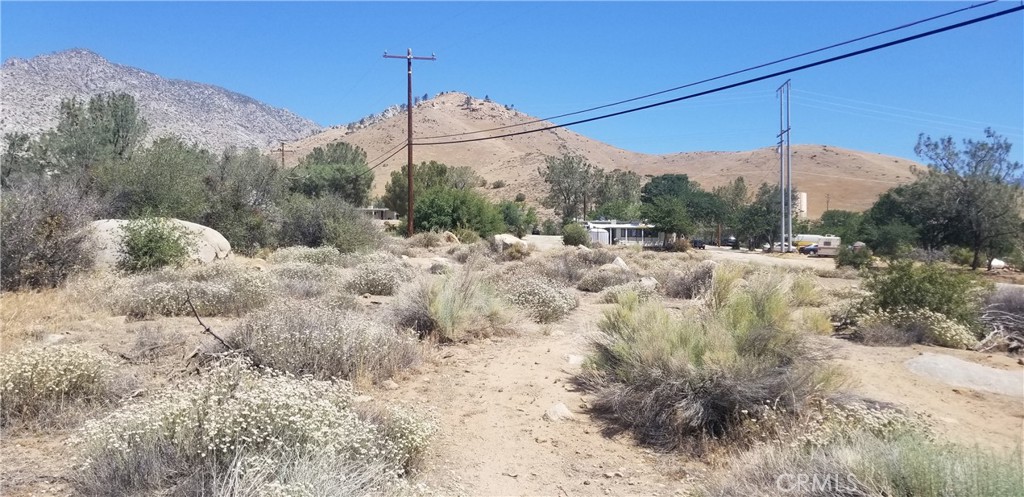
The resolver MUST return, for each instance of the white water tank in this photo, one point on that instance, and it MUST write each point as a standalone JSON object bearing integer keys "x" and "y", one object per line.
{"x": 599, "y": 235}
{"x": 801, "y": 205}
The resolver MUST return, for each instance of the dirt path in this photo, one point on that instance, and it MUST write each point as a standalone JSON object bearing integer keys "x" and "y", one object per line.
{"x": 491, "y": 399}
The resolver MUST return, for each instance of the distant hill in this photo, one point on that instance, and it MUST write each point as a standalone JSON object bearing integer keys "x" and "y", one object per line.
{"x": 851, "y": 179}
{"x": 205, "y": 114}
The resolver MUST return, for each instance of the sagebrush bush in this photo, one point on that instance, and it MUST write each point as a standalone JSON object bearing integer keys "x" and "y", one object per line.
{"x": 458, "y": 305}
{"x": 217, "y": 289}
{"x": 323, "y": 256}
{"x": 866, "y": 464}
{"x": 690, "y": 282}
{"x": 542, "y": 298}
{"x": 905, "y": 285}
{"x": 678, "y": 383}
{"x": 425, "y": 239}
{"x": 904, "y": 327}
{"x": 328, "y": 220}
{"x": 462, "y": 253}
{"x": 466, "y": 235}
{"x": 313, "y": 339}
{"x": 680, "y": 245}
{"x": 44, "y": 237}
{"x": 153, "y": 243}
{"x": 303, "y": 280}
{"x": 379, "y": 274}
{"x": 857, "y": 259}
{"x": 574, "y": 235}
{"x": 187, "y": 438}
{"x": 39, "y": 384}
{"x": 724, "y": 279}
{"x": 618, "y": 293}
{"x": 804, "y": 292}
{"x": 603, "y": 277}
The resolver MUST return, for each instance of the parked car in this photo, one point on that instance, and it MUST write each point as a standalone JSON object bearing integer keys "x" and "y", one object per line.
{"x": 811, "y": 249}
{"x": 732, "y": 243}
{"x": 697, "y": 243}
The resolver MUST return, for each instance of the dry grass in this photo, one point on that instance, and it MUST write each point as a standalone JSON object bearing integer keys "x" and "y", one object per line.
{"x": 690, "y": 282}
{"x": 456, "y": 306}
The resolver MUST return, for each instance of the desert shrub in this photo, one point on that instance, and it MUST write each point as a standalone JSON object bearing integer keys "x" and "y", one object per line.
{"x": 841, "y": 273}
{"x": 905, "y": 285}
{"x": 464, "y": 252}
{"x": 867, "y": 464}
{"x": 460, "y": 304}
{"x": 678, "y": 382}
{"x": 186, "y": 439}
{"x": 544, "y": 300}
{"x": 515, "y": 252}
{"x": 425, "y": 239}
{"x": 327, "y": 220}
{"x": 857, "y": 259}
{"x": 44, "y": 235}
{"x": 217, "y": 289}
{"x": 466, "y": 235}
{"x": 380, "y": 274}
{"x": 641, "y": 292}
{"x": 449, "y": 208}
{"x": 302, "y": 280}
{"x": 40, "y": 384}
{"x": 903, "y": 327}
{"x": 927, "y": 255}
{"x": 598, "y": 279}
{"x": 690, "y": 282}
{"x": 961, "y": 256}
{"x": 1006, "y": 299}
{"x": 680, "y": 245}
{"x": 520, "y": 197}
{"x": 152, "y": 243}
{"x": 803, "y": 291}
{"x": 312, "y": 339}
{"x": 566, "y": 267}
{"x": 817, "y": 321}
{"x": 574, "y": 235}
{"x": 596, "y": 257}
{"x": 498, "y": 184}
{"x": 322, "y": 256}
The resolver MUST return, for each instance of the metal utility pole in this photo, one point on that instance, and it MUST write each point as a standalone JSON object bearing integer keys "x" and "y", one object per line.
{"x": 409, "y": 57}
{"x": 785, "y": 166}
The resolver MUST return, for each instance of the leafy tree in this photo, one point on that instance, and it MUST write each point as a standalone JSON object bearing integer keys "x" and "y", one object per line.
{"x": 701, "y": 206}
{"x": 519, "y": 218}
{"x": 327, "y": 220}
{"x": 166, "y": 180}
{"x": 757, "y": 220}
{"x": 573, "y": 185}
{"x": 669, "y": 215}
{"x": 982, "y": 185}
{"x": 731, "y": 199}
{"x": 575, "y": 235}
{"x": 451, "y": 208}
{"x": 844, "y": 224}
{"x": 243, "y": 189}
{"x": 338, "y": 169}
{"x": 426, "y": 176}
{"x": 18, "y": 161}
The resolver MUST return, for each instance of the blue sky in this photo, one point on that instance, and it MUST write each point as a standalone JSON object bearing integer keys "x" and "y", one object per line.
{"x": 323, "y": 61}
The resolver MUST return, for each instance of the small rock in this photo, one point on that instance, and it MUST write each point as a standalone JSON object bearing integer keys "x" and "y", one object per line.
{"x": 574, "y": 360}
{"x": 586, "y": 482}
{"x": 558, "y": 412}
{"x": 1020, "y": 361}
{"x": 621, "y": 263}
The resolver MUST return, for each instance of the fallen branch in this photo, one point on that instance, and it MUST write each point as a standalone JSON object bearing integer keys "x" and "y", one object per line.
{"x": 206, "y": 329}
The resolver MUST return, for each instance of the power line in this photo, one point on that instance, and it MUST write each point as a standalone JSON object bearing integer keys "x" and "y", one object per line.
{"x": 745, "y": 82}
{"x": 381, "y": 163}
{"x": 708, "y": 80}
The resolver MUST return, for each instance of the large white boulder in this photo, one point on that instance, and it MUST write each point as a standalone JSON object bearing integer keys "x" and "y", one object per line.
{"x": 104, "y": 241}
{"x": 506, "y": 240}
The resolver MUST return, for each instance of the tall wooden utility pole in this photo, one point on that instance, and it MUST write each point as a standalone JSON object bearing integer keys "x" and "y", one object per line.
{"x": 409, "y": 57}
{"x": 282, "y": 155}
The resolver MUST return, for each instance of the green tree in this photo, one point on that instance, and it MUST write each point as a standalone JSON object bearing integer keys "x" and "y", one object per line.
{"x": 982, "y": 185}
{"x": 338, "y": 169}
{"x": 519, "y": 218}
{"x": 669, "y": 215}
{"x": 18, "y": 161}
{"x": 451, "y": 208}
{"x": 243, "y": 189}
{"x": 573, "y": 185}
{"x": 731, "y": 198}
{"x": 844, "y": 224}
{"x": 167, "y": 179}
{"x": 426, "y": 176}
{"x": 757, "y": 221}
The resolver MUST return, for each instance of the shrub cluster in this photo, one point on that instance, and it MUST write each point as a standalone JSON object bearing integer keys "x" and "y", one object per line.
{"x": 379, "y": 274}
{"x": 323, "y": 256}
{"x": 903, "y": 327}
{"x": 231, "y": 418}
{"x": 618, "y": 293}
{"x": 302, "y": 280}
{"x": 38, "y": 383}
{"x": 458, "y": 305}
{"x": 574, "y": 235}
{"x": 905, "y": 285}
{"x": 328, "y": 220}
{"x": 690, "y": 282}
{"x": 542, "y": 298}
{"x": 603, "y": 277}
{"x": 217, "y": 289}
{"x": 857, "y": 259}
{"x": 679, "y": 382}
{"x": 152, "y": 243}
{"x": 312, "y": 339}
{"x": 44, "y": 235}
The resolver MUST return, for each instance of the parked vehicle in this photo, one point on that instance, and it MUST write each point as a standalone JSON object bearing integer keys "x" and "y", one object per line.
{"x": 829, "y": 245}
{"x": 811, "y": 249}
{"x": 697, "y": 243}
{"x": 732, "y": 243}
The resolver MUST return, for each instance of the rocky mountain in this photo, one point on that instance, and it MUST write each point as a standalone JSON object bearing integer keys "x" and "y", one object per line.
{"x": 205, "y": 114}
{"x": 832, "y": 176}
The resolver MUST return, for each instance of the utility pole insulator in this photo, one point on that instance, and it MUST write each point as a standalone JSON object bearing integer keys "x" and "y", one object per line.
{"x": 409, "y": 57}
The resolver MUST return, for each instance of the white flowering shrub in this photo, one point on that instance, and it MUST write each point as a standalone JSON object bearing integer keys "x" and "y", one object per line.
{"x": 304, "y": 280}
{"x": 199, "y": 430}
{"x": 216, "y": 289}
{"x": 545, "y": 301}
{"x": 321, "y": 256}
{"x": 38, "y": 382}
{"x": 903, "y": 326}
{"x": 308, "y": 338}
{"x": 617, "y": 293}
{"x": 598, "y": 279}
{"x": 380, "y": 274}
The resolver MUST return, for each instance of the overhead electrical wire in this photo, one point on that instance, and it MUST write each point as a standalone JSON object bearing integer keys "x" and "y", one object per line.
{"x": 744, "y": 82}
{"x": 708, "y": 80}
{"x": 381, "y": 162}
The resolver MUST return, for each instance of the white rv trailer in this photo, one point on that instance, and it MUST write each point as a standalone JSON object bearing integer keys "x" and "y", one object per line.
{"x": 829, "y": 245}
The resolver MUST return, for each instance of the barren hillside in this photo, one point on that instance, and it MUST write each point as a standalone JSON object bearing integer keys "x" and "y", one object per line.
{"x": 211, "y": 116}
{"x": 853, "y": 179}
